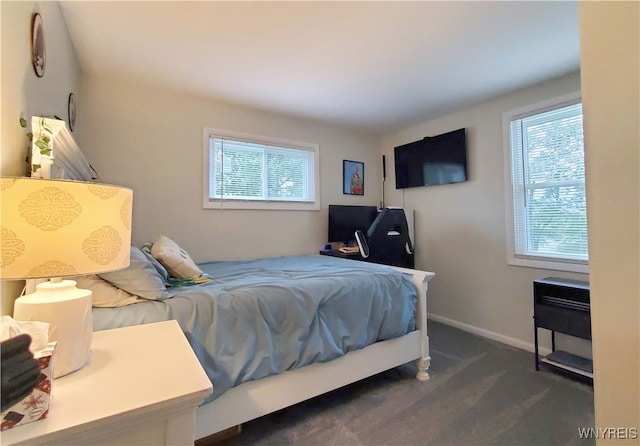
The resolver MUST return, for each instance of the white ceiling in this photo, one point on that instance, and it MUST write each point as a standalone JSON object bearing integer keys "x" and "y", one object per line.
{"x": 378, "y": 66}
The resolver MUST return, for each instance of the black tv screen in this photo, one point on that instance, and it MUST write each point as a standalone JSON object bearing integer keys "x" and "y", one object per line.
{"x": 345, "y": 220}
{"x": 433, "y": 160}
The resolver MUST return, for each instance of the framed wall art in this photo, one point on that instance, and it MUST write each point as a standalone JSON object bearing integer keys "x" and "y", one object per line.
{"x": 352, "y": 177}
{"x": 38, "y": 48}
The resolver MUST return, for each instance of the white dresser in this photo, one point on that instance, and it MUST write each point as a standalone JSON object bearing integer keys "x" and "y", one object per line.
{"x": 142, "y": 386}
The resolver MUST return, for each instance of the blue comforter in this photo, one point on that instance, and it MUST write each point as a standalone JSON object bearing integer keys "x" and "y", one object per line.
{"x": 262, "y": 317}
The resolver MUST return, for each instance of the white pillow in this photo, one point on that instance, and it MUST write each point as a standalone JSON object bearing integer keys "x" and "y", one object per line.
{"x": 175, "y": 259}
{"x": 104, "y": 293}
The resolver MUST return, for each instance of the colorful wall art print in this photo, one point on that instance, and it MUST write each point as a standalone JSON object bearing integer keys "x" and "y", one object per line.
{"x": 353, "y": 177}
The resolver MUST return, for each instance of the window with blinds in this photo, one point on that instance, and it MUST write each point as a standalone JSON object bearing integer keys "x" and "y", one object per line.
{"x": 252, "y": 172}
{"x": 548, "y": 184}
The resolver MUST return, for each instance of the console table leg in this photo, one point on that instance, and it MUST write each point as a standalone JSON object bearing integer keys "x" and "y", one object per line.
{"x": 535, "y": 342}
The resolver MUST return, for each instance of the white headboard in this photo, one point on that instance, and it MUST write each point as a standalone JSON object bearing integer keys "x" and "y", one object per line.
{"x": 55, "y": 154}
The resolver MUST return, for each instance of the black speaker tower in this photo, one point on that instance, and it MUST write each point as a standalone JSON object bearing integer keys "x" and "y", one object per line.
{"x": 384, "y": 178}
{"x": 384, "y": 167}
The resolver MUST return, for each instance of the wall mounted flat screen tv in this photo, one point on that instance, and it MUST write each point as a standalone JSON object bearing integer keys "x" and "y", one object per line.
{"x": 433, "y": 160}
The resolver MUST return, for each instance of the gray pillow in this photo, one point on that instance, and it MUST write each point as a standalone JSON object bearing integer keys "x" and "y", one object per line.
{"x": 157, "y": 265}
{"x": 141, "y": 278}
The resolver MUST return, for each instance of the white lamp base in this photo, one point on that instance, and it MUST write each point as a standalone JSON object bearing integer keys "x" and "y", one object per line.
{"x": 67, "y": 309}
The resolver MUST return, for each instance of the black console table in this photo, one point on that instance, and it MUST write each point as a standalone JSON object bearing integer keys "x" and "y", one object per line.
{"x": 563, "y": 306}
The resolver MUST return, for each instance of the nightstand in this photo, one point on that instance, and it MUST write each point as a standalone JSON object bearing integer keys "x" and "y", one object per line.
{"x": 563, "y": 306}
{"x": 141, "y": 386}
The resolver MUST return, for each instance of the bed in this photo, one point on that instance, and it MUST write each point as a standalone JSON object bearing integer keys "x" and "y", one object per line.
{"x": 269, "y": 332}
{"x": 272, "y": 332}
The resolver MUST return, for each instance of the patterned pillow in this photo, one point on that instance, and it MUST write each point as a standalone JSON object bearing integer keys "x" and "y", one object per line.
{"x": 175, "y": 259}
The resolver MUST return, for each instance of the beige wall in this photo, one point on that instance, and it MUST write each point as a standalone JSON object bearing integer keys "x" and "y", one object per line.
{"x": 460, "y": 228}
{"x": 24, "y": 93}
{"x": 610, "y": 54}
{"x": 151, "y": 140}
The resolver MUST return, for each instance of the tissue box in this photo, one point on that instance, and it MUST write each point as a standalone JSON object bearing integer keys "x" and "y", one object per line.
{"x": 34, "y": 406}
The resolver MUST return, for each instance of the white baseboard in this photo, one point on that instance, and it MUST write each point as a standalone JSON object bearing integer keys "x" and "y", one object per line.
{"x": 489, "y": 334}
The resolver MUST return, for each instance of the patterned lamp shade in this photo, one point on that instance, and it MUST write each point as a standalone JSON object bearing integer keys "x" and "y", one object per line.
{"x": 54, "y": 229}
{"x": 58, "y": 228}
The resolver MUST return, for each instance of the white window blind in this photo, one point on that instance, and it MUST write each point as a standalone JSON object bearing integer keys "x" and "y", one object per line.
{"x": 548, "y": 180}
{"x": 260, "y": 172}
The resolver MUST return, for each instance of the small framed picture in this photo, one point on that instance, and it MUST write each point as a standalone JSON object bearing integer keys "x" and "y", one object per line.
{"x": 38, "y": 49}
{"x": 352, "y": 177}
{"x": 71, "y": 110}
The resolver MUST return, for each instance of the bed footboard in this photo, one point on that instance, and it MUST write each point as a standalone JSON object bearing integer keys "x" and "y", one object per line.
{"x": 253, "y": 399}
{"x": 421, "y": 280}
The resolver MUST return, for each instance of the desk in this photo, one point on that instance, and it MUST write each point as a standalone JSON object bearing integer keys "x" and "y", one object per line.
{"x": 336, "y": 253}
{"x": 357, "y": 256}
{"x": 141, "y": 386}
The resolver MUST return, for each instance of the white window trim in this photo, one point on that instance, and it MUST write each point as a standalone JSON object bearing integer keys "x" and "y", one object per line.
{"x": 313, "y": 205}
{"x": 532, "y": 262}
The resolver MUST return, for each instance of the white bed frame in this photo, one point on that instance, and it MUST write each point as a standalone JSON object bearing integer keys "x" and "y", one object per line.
{"x": 254, "y": 399}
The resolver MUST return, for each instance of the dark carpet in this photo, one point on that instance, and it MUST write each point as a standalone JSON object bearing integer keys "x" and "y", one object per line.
{"x": 481, "y": 392}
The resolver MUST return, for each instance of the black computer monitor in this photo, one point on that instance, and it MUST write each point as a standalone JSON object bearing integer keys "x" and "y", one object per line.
{"x": 345, "y": 220}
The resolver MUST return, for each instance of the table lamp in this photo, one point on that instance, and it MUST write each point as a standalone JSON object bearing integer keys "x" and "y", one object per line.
{"x": 55, "y": 229}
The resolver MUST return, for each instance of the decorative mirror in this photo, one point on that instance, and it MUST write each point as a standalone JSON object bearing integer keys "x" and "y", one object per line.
{"x": 38, "y": 49}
